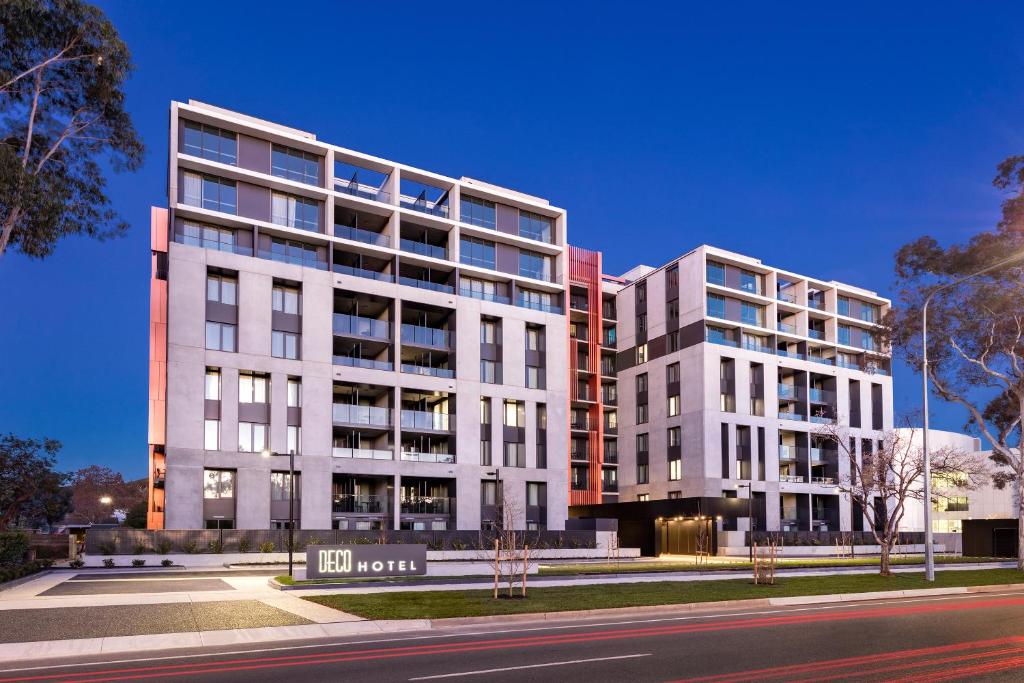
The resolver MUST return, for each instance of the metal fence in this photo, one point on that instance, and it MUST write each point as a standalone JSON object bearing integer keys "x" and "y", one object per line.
{"x": 830, "y": 538}
{"x": 142, "y": 541}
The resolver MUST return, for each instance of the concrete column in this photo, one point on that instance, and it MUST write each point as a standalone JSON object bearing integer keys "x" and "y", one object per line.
{"x": 397, "y": 503}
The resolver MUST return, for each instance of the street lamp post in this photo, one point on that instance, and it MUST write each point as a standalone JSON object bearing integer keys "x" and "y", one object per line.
{"x": 929, "y": 553}
{"x": 750, "y": 516}
{"x": 291, "y": 505}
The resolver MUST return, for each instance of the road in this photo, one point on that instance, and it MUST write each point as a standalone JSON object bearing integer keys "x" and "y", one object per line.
{"x": 930, "y": 639}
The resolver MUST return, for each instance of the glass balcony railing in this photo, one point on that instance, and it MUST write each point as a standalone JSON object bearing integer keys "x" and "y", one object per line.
{"x": 791, "y": 478}
{"x": 424, "y": 505}
{"x": 426, "y": 284}
{"x": 523, "y": 302}
{"x": 362, "y": 453}
{"x": 368, "y": 363}
{"x": 847, "y": 364}
{"x": 359, "y": 504}
{"x": 425, "y": 420}
{"x": 822, "y": 395}
{"x": 787, "y": 452}
{"x": 371, "y": 416}
{"x": 790, "y": 354}
{"x": 358, "y": 326}
{"x": 791, "y": 416}
{"x": 822, "y": 419}
{"x": 788, "y": 391}
{"x": 424, "y": 206}
{"x": 427, "y": 371}
{"x": 363, "y": 272}
{"x": 424, "y": 249}
{"x": 484, "y": 296}
{"x": 426, "y": 336}
{"x": 786, "y": 296}
{"x": 361, "y": 190}
{"x": 785, "y": 327}
{"x": 822, "y": 360}
{"x": 816, "y": 334}
{"x": 418, "y": 456}
{"x": 347, "y": 232}
{"x": 817, "y": 455}
{"x": 816, "y": 303}
{"x": 827, "y": 481}
{"x": 579, "y": 303}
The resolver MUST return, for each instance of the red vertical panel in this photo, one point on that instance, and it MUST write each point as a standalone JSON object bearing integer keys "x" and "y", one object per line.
{"x": 585, "y": 272}
{"x": 157, "y": 364}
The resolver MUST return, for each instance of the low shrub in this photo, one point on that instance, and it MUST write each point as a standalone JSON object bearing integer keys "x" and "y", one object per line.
{"x": 108, "y": 562}
{"x": 458, "y": 544}
{"x": 139, "y": 549}
{"x": 244, "y": 544}
{"x": 191, "y": 547}
{"x": 16, "y": 571}
{"x": 14, "y": 547}
{"x": 267, "y": 547}
{"x": 315, "y": 540}
{"x": 435, "y": 544}
{"x": 138, "y": 562}
{"x": 163, "y": 546}
{"x": 107, "y": 548}
{"x": 215, "y": 547}
{"x": 76, "y": 564}
{"x": 166, "y": 563}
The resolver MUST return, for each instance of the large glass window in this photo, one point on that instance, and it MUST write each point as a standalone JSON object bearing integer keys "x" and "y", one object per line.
{"x": 218, "y": 484}
{"x": 869, "y": 312}
{"x": 209, "y": 237}
{"x": 675, "y": 469}
{"x": 673, "y": 406}
{"x": 716, "y": 273}
{"x": 210, "y": 142}
{"x": 534, "y": 226}
{"x": 642, "y": 443}
{"x": 534, "y": 338}
{"x": 220, "y": 336}
{"x": 843, "y": 334}
{"x": 476, "y": 211}
{"x": 253, "y": 388}
{"x": 211, "y": 435}
{"x": 751, "y": 314}
{"x": 210, "y": 192}
{"x": 295, "y": 212}
{"x": 252, "y": 437}
{"x": 515, "y": 413}
{"x": 532, "y": 264}
{"x": 286, "y": 299}
{"x": 843, "y": 305}
{"x": 287, "y": 251}
{"x": 221, "y": 289}
{"x": 750, "y": 282}
{"x": 474, "y": 251}
{"x": 294, "y": 439}
{"x": 643, "y": 472}
{"x": 284, "y": 344}
{"x": 212, "y": 384}
{"x": 294, "y": 164}
{"x": 716, "y": 306}
{"x": 294, "y": 392}
{"x": 515, "y": 454}
{"x": 280, "y": 483}
{"x": 674, "y": 436}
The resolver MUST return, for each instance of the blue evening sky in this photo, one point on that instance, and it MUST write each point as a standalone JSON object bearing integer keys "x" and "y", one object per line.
{"x": 816, "y": 138}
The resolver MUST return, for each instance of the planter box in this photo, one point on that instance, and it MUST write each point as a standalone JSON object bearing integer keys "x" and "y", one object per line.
{"x": 827, "y": 551}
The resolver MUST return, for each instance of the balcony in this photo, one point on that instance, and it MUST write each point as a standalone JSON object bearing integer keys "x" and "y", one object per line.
{"x": 791, "y": 478}
{"x": 821, "y": 360}
{"x": 791, "y": 416}
{"x": 818, "y": 456}
{"x": 787, "y": 453}
{"x": 580, "y": 423}
{"x": 426, "y": 284}
{"x": 484, "y": 296}
{"x": 577, "y": 454}
{"x": 362, "y": 453}
{"x": 366, "y": 505}
{"x": 364, "y": 328}
{"x": 816, "y": 303}
{"x": 815, "y": 334}
{"x": 790, "y": 354}
{"x": 429, "y": 337}
{"x": 423, "y": 505}
{"x": 825, "y": 481}
{"x": 786, "y": 296}
{"x": 424, "y": 249}
{"x": 348, "y": 232}
{"x": 367, "y": 363}
{"x": 422, "y": 205}
{"x": 363, "y": 272}
{"x": 524, "y": 302}
{"x": 789, "y": 391}
{"x": 607, "y": 369}
{"x": 785, "y": 327}
{"x": 427, "y": 371}
{"x": 159, "y": 477}
{"x": 423, "y": 420}
{"x": 822, "y": 419}
{"x": 579, "y": 303}
{"x": 419, "y": 456}
{"x": 370, "y": 416}
{"x": 822, "y": 395}
{"x": 819, "y": 525}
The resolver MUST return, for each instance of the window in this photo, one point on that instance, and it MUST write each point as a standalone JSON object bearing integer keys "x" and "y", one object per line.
{"x": 750, "y": 282}
{"x": 212, "y": 384}
{"x": 716, "y": 306}
{"x": 843, "y": 305}
{"x": 643, "y": 471}
{"x": 641, "y": 293}
{"x": 532, "y": 264}
{"x": 479, "y": 289}
{"x": 286, "y": 300}
{"x": 867, "y": 341}
{"x": 727, "y": 403}
{"x": 534, "y": 338}
{"x": 474, "y": 251}
{"x": 210, "y": 142}
{"x": 209, "y": 237}
{"x": 294, "y": 164}
{"x": 284, "y": 344}
{"x": 295, "y": 212}
{"x": 252, "y": 437}
{"x": 220, "y": 337}
{"x": 485, "y": 453}
{"x": 641, "y": 322}
{"x": 751, "y": 314}
{"x": 642, "y": 443}
{"x": 641, "y": 414}
{"x": 675, "y": 495}
{"x": 673, "y": 341}
{"x": 641, "y": 383}
{"x": 715, "y": 273}
{"x": 673, "y": 406}
{"x": 222, "y": 289}
{"x": 641, "y": 354}
{"x": 488, "y": 332}
{"x": 294, "y": 393}
{"x": 515, "y": 413}
{"x": 476, "y": 211}
{"x": 536, "y": 496}
{"x": 952, "y": 504}
{"x": 485, "y": 411}
{"x": 643, "y": 497}
{"x": 672, "y": 373}
{"x": 294, "y": 439}
{"x": 211, "y": 436}
{"x": 210, "y": 192}
{"x": 672, "y": 309}
{"x": 534, "y": 377}
{"x": 218, "y": 484}
{"x": 843, "y": 334}
{"x": 280, "y": 482}
{"x": 538, "y": 301}
{"x": 253, "y": 388}
{"x": 869, "y": 312}
{"x": 672, "y": 278}
{"x": 534, "y": 226}
{"x": 488, "y": 371}
{"x": 675, "y": 469}
{"x": 542, "y": 417}
{"x": 674, "y": 437}
{"x": 579, "y": 477}
{"x": 515, "y": 454}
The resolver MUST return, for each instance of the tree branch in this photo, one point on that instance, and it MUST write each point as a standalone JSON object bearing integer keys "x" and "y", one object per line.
{"x": 45, "y": 63}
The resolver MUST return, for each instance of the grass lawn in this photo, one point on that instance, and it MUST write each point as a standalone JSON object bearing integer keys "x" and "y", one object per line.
{"x": 633, "y": 566}
{"x": 443, "y": 604}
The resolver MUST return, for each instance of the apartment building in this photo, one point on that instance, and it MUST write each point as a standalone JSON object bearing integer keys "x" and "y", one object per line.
{"x": 401, "y": 332}
{"x": 727, "y": 371}
{"x": 593, "y": 389}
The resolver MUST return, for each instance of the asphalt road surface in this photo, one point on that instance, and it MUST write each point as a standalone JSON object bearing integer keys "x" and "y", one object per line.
{"x": 977, "y": 638}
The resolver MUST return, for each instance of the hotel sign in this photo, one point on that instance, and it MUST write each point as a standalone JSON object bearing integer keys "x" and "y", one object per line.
{"x": 357, "y": 561}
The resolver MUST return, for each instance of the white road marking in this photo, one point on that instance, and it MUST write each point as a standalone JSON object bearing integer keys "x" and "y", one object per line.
{"x": 456, "y": 634}
{"x": 527, "y": 666}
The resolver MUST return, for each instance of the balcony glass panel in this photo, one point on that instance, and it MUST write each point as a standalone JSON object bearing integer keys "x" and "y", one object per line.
{"x": 716, "y": 273}
{"x": 347, "y": 232}
{"x": 426, "y": 336}
{"x": 363, "y": 272}
{"x": 359, "y": 504}
{"x": 424, "y": 249}
{"x": 371, "y": 416}
{"x": 426, "y": 371}
{"x": 426, "y": 284}
{"x": 426, "y": 420}
{"x": 426, "y": 506}
{"x": 368, "y": 363}
{"x": 362, "y": 454}
{"x": 419, "y": 456}
{"x": 357, "y": 189}
{"x": 361, "y": 327}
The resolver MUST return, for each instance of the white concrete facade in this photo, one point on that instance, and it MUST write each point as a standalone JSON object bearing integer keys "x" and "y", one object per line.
{"x": 741, "y": 332}
{"x": 402, "y": 279}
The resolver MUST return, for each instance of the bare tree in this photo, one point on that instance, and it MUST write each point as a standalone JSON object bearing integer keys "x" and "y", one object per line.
{"x": 509, "y": 554}
{"x": 893, "y": 473}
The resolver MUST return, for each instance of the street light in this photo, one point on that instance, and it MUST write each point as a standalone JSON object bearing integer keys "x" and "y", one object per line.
{"x": 929, "y": 554}
{"x": 266, "y": 453}
{"x": 106, "y": 500}
{"x": 497, "y": 492}
{"x": 750, "y": 516}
